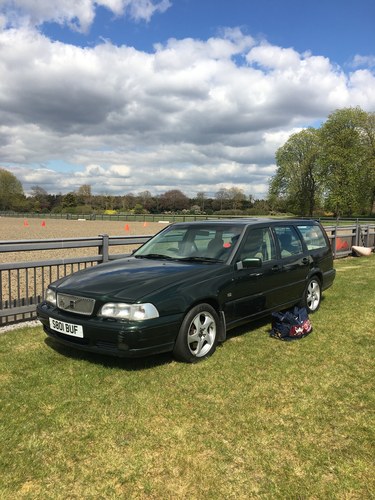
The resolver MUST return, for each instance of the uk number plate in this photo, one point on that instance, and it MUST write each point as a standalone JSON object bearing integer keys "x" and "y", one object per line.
{"x": 66, "y": 328}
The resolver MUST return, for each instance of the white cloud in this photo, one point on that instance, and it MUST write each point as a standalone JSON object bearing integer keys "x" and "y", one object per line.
{"x": 78, "y": 15}
{"x": 145, "y": 9}
{"x": 368, "y": 61}
{"x": 187, "y": 116}
{"x": 362, "y": 83}
{"x": 119, "y": 170}
{"x": 38, "y": 175}
{"x": 273, "y": 57}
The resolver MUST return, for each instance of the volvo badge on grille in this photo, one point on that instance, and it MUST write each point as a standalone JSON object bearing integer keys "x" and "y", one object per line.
{"x": 77, "y": 305}
{"x": 67, "y": 303}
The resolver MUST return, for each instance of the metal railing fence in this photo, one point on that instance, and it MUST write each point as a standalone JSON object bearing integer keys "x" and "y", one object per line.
{"x": 22, "y": 284}
{"x": 343, "y": 238}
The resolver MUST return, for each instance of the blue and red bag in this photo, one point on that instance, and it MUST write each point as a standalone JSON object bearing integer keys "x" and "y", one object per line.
{"x": 291, "y": 325}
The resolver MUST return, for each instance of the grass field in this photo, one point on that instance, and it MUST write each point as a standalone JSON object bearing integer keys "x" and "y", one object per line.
{"x": 260, "y": 419}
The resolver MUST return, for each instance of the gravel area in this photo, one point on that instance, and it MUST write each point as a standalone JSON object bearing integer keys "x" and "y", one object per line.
{"x": 41, "y": 229}
{"x": 16, "y": 326}
{"x": 12, "y": 228}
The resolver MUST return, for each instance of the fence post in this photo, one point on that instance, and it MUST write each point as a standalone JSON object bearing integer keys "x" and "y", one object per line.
{"x": 357, "y": 232}
{"x": 103, "y": 249}
{"x": 334, "y": 241}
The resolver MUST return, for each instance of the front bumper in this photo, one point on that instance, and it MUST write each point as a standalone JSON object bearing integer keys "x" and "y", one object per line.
{"x": 115, "y": 338}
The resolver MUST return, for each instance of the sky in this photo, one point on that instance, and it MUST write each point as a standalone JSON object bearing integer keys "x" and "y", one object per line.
{"x": 152, "y": 95}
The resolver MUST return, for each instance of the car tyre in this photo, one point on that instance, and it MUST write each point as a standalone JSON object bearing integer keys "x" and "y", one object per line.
{"x": 312, "y": 295}
{"x": 198, "y": 335}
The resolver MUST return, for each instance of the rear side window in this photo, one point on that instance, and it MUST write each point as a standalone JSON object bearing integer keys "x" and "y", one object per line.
{"x": 289, "y": 241}
{"x": 259, "y": 244}
{"x": 313, "y": 237}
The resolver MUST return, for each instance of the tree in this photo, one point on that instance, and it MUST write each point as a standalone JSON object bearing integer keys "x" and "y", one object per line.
{"x": 335, "y": 163}
{"x": 368, "y": 140}
{"x": 296, "y": 181}
{"x": 84, "y": 194}
{"x": 174, "y": 200}
{"x": 55, "y": 202}
{"x": 201, "y": 197}
{"x": 347, "y": 160}
{"x": 237, "y": 197}
{"x": 222, "y": 196}
{"x": 40, "y": 197}
{"x": 128, "y": 202}
{"x": 146, "y": 200}
{"x": 11, "y": 191}
{"x": 69, "y": 200}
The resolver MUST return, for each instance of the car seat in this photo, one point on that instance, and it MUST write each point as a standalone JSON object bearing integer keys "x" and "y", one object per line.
{"x": 215, "y": 246}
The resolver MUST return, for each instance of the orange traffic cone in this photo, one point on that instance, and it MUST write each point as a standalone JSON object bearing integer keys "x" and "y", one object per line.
{"x": 126, "y": 227}
{"x": 44, "y": 223}
{"x": 25, "y": 223}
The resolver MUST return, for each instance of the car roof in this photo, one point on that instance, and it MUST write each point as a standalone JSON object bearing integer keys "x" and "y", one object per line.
{"x": 247, "y": 221}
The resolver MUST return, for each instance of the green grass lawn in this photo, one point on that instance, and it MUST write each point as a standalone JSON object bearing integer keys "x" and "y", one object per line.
{"x": 262, "y": 418}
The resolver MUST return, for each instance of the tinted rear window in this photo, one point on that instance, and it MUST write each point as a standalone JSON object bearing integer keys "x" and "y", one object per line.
{"x": 289, "y": 241}
{"x": 313, "y": 237}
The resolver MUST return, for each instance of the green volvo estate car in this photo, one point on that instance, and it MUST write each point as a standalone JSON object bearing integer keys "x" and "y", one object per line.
{"x": 188, "y": 285}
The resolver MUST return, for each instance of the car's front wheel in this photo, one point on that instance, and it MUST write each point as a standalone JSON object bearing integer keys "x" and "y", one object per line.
{"x": 198, "y": 334}
{"x": 312, "y": 295}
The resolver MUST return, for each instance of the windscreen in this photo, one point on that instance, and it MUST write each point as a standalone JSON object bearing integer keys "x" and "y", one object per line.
{"x": 193, "y": 241}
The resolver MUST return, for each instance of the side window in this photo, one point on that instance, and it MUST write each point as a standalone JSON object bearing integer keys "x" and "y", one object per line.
{"x": 313, "y": 237}
{"x": 259, "y": 244}
{"x": 289, "y": 241}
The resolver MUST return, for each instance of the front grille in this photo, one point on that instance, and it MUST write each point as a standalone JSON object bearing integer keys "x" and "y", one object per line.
{"x": 74, "y": 304}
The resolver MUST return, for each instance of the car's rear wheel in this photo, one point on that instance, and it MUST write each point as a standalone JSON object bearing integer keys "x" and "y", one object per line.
{"x": 197, "y": 338}
{"x": 312, "y": 295}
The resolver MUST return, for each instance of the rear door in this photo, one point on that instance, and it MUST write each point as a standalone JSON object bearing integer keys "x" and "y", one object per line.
{"x": 294, "y": 263}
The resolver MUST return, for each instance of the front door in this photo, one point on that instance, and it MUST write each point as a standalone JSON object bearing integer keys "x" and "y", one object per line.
{"x": 253, "y": 286}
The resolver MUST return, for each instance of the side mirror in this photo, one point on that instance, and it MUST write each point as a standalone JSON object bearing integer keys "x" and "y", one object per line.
{"x": 249, "y": 263}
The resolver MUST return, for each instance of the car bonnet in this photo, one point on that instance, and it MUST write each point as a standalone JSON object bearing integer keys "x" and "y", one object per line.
{"x": 131, "y": 279}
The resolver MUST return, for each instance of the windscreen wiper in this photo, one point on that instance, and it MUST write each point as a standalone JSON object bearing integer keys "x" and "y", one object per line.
{"x": 200, "y": 259}
{"x": 154, "y": 256}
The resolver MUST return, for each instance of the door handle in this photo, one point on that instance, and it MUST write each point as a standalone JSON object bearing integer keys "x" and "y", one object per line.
{"x": 276, "y": 268}
{"x": 305, "y": 261}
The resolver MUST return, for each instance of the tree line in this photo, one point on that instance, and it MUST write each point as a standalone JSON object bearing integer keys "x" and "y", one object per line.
{"x": 83, "y": 201}
{"x": 324, "y": 171}
{"x": 329, "y": 169}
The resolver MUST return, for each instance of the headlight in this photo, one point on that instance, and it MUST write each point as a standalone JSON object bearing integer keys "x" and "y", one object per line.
{"x": 134, "y": 312}
{"x": 51, "y": 296}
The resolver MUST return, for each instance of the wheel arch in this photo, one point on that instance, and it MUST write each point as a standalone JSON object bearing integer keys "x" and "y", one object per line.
{"x": 315, "y": 273}
{"x": 213, "y": 302}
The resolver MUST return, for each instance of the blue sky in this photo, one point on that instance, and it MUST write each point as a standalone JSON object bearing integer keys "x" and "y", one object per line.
{"x": 336, "y": 29}
{"x": 135, "y": 95}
